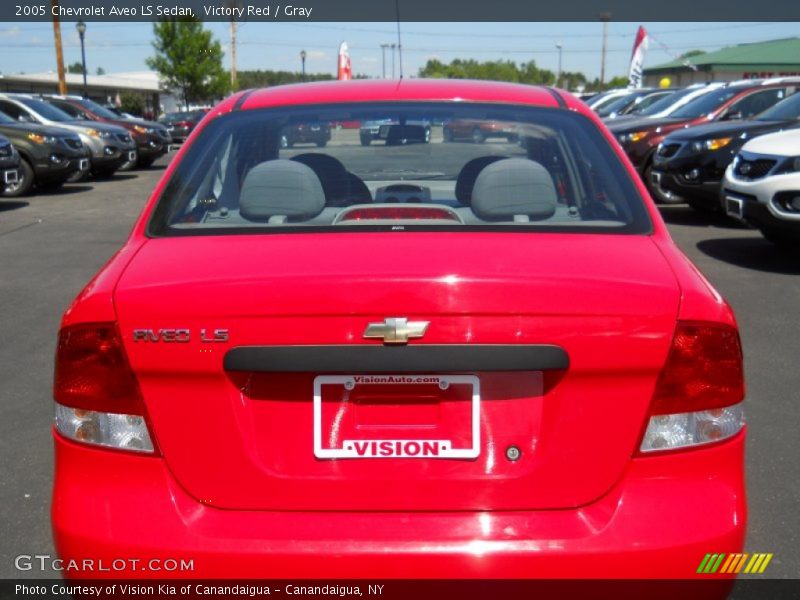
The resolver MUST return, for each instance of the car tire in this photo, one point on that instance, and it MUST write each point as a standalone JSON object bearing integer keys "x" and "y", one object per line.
{"x": 129, "y": 165}
{"x": 660, "y": 195}
{"x": 79, "y": 176}
{"x": 447, "y": 135}
{"x": 322, "y": 144}
{"x": 146, "y": 162}
{"x": 477, "y": 136}
{"x": 366, "y": 140}
{"x": 104, "y": 173}
{"x": 52, "y": 186}
{"x": 781, "y": 238}
{"x": 703, "y": 207}
{"x": 24, "y": 182}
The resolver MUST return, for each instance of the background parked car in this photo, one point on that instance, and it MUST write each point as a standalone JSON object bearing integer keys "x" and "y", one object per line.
{"x": 478, "y": 130}
{"x": 181, "y": 124}
{"x": 623, "y": 104}
{"x": 370, "y": 131}
{"x": 692, "y": 162}
{"x": 9, "y": 163}
{"x": 666, "y": 105}
{"x": 48, "y": 155}
{"x": 640, "y": 138}
{"x": 152, "y": 139}
{"x": 306, "y": 133}
{"x": 109, "y": 145}
{"x": 762, "y": 186}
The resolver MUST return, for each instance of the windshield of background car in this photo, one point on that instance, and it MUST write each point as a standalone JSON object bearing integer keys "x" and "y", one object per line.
{"x": 399, "y": 166}
{"x": 647, "y": 102}
{"x": 662, "y": 103}
{"x": 4, "y": 118}
{"x": 616, "y": 106}
{"x": 100, "y": 111}
{"x": 705, "y": 104}
{"x": 785, "y": 110}
{"x": 182, "y": 116}
{"x": 47, "y": 111}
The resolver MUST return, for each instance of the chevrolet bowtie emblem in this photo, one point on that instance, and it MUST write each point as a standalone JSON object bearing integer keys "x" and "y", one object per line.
{"x": 396, "y": 330}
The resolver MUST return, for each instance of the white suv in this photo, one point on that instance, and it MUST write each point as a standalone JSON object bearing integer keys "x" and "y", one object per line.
{"x": 762, "y": 186}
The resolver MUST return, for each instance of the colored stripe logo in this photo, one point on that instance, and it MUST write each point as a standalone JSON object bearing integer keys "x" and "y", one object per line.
{"x": 734, "y": 563}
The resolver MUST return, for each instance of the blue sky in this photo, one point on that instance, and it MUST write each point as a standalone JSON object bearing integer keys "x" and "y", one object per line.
{"x": 120, "y": 46}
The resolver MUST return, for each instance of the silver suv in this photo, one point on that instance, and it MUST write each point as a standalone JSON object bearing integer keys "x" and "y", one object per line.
{"x": 110, "y": 146}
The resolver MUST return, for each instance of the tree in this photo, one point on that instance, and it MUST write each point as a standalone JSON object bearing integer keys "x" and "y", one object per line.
{"x": 131, "y": 103}
{"x": 188, "y": 60}
{"x": 75, "y": 67}
{"x": 101, "y": 71}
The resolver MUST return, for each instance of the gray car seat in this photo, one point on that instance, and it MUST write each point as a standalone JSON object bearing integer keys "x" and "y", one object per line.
{"x": 515, "y": 189}
{"x": 277, "y": 191}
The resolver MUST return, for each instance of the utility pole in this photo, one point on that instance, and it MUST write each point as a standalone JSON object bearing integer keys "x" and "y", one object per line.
{"x": 558, "y": 76}
{"x": 605, "y": 17}
{"x": 81, "y": 28}
{"x": 233, "y": 54}
{"x": 393, "y": 46}
{"x": 62, "y": 82}
{"x": 383, "y": 60}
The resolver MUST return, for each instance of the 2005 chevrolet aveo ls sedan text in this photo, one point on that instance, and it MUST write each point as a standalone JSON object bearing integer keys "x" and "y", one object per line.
{"x": 410, "y": 359}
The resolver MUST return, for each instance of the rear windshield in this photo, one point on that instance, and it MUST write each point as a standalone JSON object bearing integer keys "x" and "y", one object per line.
{"x": 399, "y": 166}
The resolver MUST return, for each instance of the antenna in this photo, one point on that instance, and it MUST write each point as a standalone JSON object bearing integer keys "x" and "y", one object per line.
{"x": 399, "y": 44}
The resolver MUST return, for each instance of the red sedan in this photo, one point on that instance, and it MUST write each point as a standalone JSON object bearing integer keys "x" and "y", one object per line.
{"x": 410, "y": 360}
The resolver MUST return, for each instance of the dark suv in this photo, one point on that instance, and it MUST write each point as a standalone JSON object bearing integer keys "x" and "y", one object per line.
{"x": 48, "y": 155}
{"x": 152, "y": 139}
{"x": 692, "y": 162}
{"x": 732, "y": 102}
{"x": 9, "y": 163}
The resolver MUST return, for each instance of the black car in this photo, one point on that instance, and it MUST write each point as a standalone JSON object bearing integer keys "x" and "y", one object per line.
{"x": 306, "y": 133}
{"x": 691, "y": 163}
{"x": 9, "y": 163}
{"x": 181, "y": 124}
{"x": 48, "y": 156}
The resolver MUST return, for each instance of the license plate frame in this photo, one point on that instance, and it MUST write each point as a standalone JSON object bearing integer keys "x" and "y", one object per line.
{"x": 734, "y": 207}
{"x": 132, "y": 155}
{"x": 444, "y": 448}
{"x": 83, "y": 164}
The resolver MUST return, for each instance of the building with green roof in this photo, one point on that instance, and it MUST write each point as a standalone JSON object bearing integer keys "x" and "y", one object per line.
{"x": 777, "y": 58}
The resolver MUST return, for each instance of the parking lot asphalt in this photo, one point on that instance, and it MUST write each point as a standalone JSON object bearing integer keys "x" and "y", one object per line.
{"x": 51, "y": 244}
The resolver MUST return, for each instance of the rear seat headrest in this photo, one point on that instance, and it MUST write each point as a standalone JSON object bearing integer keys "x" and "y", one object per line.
{"x": 465, "y": 182}
{"x": 512, "y": 188}
{"x": 281, "y": 188}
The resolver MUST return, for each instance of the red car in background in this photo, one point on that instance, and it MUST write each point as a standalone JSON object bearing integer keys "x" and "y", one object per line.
{"x": 181, "y": 124}
{"x": 414, "y": 360}
{"x": 740, "y": 100}
{"x": 152, "y": 139}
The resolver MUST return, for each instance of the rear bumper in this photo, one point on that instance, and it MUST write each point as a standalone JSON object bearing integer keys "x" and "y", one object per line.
{"x": 661, "y": 519}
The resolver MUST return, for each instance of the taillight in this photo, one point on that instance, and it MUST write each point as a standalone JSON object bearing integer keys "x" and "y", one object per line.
{"x": 398, "y": 213}
{"x": 699, "y": 393}
{"x": 96, "y": 393}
